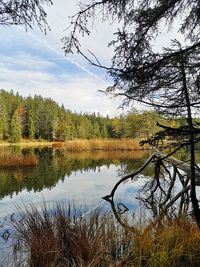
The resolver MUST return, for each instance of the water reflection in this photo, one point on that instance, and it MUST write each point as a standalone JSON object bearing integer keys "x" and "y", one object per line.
{"x": 91, "y": 174}
{"x": 81, "y": 177}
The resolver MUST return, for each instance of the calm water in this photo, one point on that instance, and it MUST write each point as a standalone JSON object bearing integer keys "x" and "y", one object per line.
{"x": 81, "y": 178}
{"x": 63, "y": 176}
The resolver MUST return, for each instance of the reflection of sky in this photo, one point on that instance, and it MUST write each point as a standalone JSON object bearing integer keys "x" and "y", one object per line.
{"x": 127, "y": 193}
{"x": 80, "y": 187}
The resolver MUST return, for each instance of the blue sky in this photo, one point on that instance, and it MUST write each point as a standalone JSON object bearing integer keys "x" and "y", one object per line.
{"x": 34, "y": 63}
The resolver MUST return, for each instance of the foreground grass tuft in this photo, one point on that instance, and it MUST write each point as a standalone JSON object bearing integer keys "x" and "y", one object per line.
{"x": 67, "y": 237}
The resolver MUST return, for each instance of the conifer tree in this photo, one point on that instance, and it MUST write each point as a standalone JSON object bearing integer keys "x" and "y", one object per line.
{"x": 4, "y": 125}
{"x": 31, "y": 126}
{"x": 16, "y": 130}
{"x": 168, "y": 79}
{"x": 26, "y": 12}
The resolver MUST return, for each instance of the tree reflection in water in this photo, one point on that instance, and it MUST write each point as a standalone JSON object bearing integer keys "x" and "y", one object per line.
{"x": 55, "y": 165}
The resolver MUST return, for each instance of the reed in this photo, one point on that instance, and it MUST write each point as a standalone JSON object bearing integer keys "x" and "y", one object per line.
{"x": 106, "y": 154}
{"x": 58, "y": 145}
{"x": 10, "y": 160}
{"x": 101, "y": 144}
{"x": 67, "y": 237}
{"x": 25, "y": 143}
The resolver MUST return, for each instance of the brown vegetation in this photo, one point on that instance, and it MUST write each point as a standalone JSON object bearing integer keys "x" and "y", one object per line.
{"x": 69, "y": 238}
{"x": 8, "y": 159}
{"x": 26, "y": 143}
{"x": 100, "y": 144}
{"x": 82, "y": 144}
{"x": 106, "y": 154}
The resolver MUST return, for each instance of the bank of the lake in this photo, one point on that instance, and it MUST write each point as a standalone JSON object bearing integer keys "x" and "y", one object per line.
{"x": 10, "y": 159}
{"x": 81, "y": 144}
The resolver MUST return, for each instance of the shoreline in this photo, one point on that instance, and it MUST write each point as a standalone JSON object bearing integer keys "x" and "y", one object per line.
{"x": 125, "y": 144}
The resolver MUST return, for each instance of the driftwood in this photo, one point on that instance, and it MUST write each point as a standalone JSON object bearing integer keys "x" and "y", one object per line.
{"x": 161, "y": 192}
{"x": 181, "y": 165}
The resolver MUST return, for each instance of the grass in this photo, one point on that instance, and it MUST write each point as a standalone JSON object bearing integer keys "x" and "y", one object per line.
{"x": 81, "y": 144}
{"x": 25, "y": 143}
{"x": 68, "y": 237}
{"x": 10, "y": 160}
{"x": 105, "y": 154}
{"x": 100, "y": 144}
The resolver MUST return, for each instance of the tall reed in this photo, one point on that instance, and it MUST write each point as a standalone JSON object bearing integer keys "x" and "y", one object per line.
{"x": 68, "y": 237}
{"x": 100, "y": 144}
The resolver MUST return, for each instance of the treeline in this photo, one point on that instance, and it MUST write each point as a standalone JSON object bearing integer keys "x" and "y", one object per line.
{"x": 42, "y": 118}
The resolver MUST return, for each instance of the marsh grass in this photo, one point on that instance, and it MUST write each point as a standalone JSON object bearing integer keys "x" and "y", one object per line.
{"x": 82, "y": 144}
{"x": 100, "y": 144}
{"x": 26, "y": 143}
{"x": 11, "y": 160}
{"x": 68, "y": 237}
{"x": 106, "y": 155}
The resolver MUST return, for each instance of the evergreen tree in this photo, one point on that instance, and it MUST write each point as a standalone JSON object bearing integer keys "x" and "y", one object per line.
{"x": 4, "y": 124}
{"x": 31, "y": 126}
{"x": 1, "y": 130}
{"x": 168, "y": 80}
{"x": 43, "y": 118}
{"x": 96, "y": 130}
{"x": 103, "y": 130}
{"x": 27, "y": 13}
{"x": 16, "y": 130}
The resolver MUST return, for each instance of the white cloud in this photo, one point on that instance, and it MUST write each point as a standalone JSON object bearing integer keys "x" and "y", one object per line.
{"x": 75, "y": 60}
{"x": 77, "y": 92}
{"x": 25, "y": 61}
{"x": 101, "y": 34}
{"x": 47, "y": 72}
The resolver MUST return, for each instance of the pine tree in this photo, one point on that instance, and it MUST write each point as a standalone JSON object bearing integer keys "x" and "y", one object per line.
{"x": 16, "y": 130}
{"x": 168, "y": 80}
{"x": 31, "y": 126}
{"x": 4, "y": 132}
{"x": 104, "y": 132}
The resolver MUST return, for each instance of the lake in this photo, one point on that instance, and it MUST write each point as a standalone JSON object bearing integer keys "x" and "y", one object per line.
{"x": 79, "y": 177}
{"x": 82, "y": 178}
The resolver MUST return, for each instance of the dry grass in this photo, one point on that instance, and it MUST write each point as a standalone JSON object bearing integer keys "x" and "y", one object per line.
{"x": 10, "y": 160}
{"x": 58, "y": 145}
{"x": 174, "y": 243}
{"x": 82, "y": 144}
{"x": 106, "y": 154}
{"x": 68, "y": 238}
{"x": 25, "y": 143}
{"x": 102, "y": 144}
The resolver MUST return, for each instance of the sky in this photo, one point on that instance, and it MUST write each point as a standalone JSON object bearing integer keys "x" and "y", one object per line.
{"x": 34, "y": 63}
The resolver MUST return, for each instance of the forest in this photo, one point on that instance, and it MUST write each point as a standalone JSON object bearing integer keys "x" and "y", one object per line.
{"x": 42, "y": 118}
